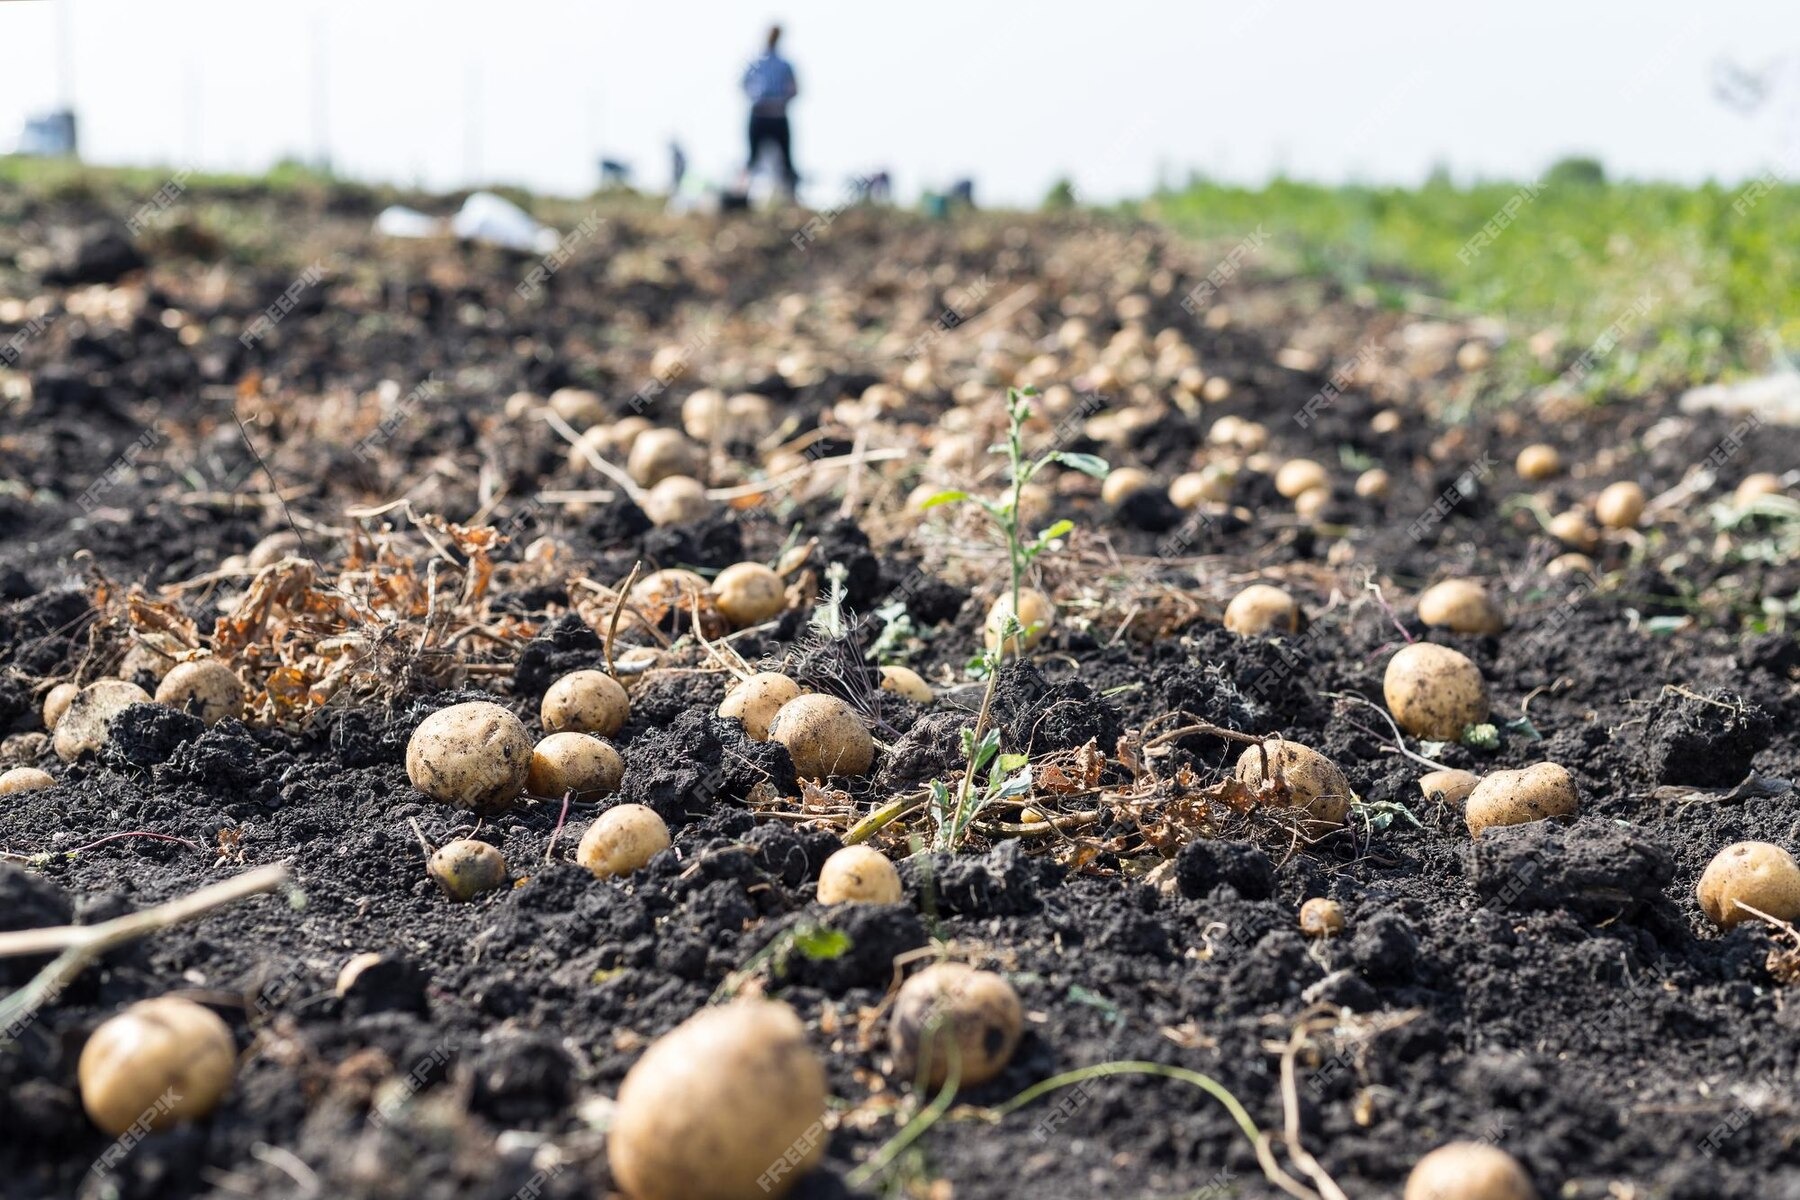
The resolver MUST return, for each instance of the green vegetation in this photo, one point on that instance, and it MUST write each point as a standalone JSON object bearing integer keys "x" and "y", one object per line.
{"x": 1719, "y": 264}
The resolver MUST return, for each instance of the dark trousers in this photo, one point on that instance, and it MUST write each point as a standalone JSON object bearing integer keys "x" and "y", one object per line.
{"x": 773, "y": 130}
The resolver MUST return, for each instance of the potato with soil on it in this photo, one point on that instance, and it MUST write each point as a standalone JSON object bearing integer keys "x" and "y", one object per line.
{"x": 1620, "y": 505}
{"x": 20, "y": 780}
{"x": 657, "y": 454}
{"x": 1461, "y": 606}
{"x": 1468, "y": 1171}
{"x": 160, "y": 1062}
{"x": 1262, "y": 609}
{"x": 206, "y": 688}
{"x": 1572, "y": 563}
{"x": 56, "y": 703}
{"x": 728, "y": 1105}
{"x": 749, "y": 593}
{"x": 585, "y": 702}
{"x": 904, "y": 681}
{"x": 1036, "y": 615}
{"x": 756, "y": 700}
{"x": 474, "y": 755}
{"x": 1759, "y": 874}
{"x": 670, "y": 590}
{"x": 1449, "y": 786}
{"x": 1311, "y": 504}
{"x": 87, "y": 722}
{"x": 1289, "y": 775}
{"x": 1321, "y": 917}
{"x": 1434, "y": 692}
{"x": 467, "y": 868}
{"x": 1535, "y": 793}
{"x": 953, "y": 1019}
{"x": 1122, "y": 483}
{"x": 1538, "y": 462}
{"x": 859, "y": 875}
{"x": 1574, "y": 530}
{"x": 574, "y": 763}
{"x": 622, "y": 840}
{"x": 824, "y": 736}
{"x": 1211, "y": 483}
{"x": 580, "y": 407}
{"x": 676, "y": 500}
{"x": 1374, "y": 484}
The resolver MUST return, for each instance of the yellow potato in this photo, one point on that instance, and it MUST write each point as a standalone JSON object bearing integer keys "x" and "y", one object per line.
{"x": 1373, "y": 484}
{"x": 1620, "y": 505}
{"x": 475, "y": 756}
{"x": 1262, "y": 609}
{"x": 1297, "y": 777}
{"x": 1036, "y": 614}
{"x": 904, "y": 681}
{"x": 622, "y": 840}
{"x": 578, "y": 406}
{"x": 1451, "y": 787}
{"x": 824, "y": 736}
{"x": 467, "y": 868}
{"x": 204, "y": 687}
{"x": 1462, "y": 606}
{"x": 1435, "y": 692}
{"x": 859, "y": 875}
{"x": 1538, "y": 462}
{"x": 1754, "y": 487}
{"x": 87, "y": 722}
{"x": 585, "y": 702}
{"x": 1535, "y": 793}
{"x": 1759, "y": 874}
{"x": 657, "y": 454}
{"x": 756, "y": 700}
{"x": 1573, "y": 529}
{"x": 952, "y": 1017}
{"x": 703, "y": 415}
{"x": 1468, "y": 1171}
{"x": 676, "y": 500}
{"x": 25, "y": 779}
{"x": 749, "y": 593}
{"x": 1320, "y": 917}
{"x": 160, "y": 1062}
{"x": 574, "y": 762}
{"x": 56, "y": 703}
{"x": 1569, "y": 564}
{"x": 728, "y": 1105}
{"x": 1311, "y": 504}
{"x": 1123, "y": 482}
{"x": 1300, "y": 475}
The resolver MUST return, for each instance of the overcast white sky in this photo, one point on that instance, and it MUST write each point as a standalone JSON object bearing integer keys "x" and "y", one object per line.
{"x": 450, "y": 92}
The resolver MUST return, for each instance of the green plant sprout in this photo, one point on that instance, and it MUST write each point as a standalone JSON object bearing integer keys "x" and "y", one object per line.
{"x": 1008, "y": 776}
{"x": 1021, "y": 552}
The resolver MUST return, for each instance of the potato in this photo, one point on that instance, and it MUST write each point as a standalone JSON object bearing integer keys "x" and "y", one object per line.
{"x": 1620, "y": 505}
{"x": 585, "y": 702}
{"x": 1311, "y": 504}
{"x": 703, "y": 414}
{"x": 1461, "y": 606}
{"x": 1374, "y": 484}
{"x": 756, "y": 700}
{"x": 1262, "y": 609}
{"x": 475, "y": 755}
{"x": 676, "y": 500}
{"x": 1320, "y": 917}
{"x": 56, "y": 703}
{"x": 146, "y": 657}
{"x": 1216, "y": 389}
{"x": 1386, "y": 421}
{"x": 728, "y": 1105}
{"x": 1754, "y": 487}
{"x": 670, "y": 588}
{"x": 1451, "y": 787}
{"x": 904, "y": 681}
{"x": 1759, "y": 874}
{"x": 1468, "y": 1171}
{"x": 88, "y": 720}
{"x": 1535, "y": 793}
{"x": 351, "y": 971}
{"x": 1188, "y": 491}
{"x": 1036, "y": 613}
{"x": 657, "y": 454}
{"x": 1569, "y": 564}
{"x": 578, "y": 406}
{"x": 161, "y": 1062}
{"x": 467, "y": 868}
{"x": 1123, "y": 482}
{"x": 951, "y": 1018}
{"x": 859, "y": 875}
{"x": 824, "y": 736}
{"x": 205, "y": 687}
{"x": 574, "y": 762}
{"x": 1434, "y": 692}
{"x": 749, "y": 593}
{"x": 1301, "y": 778}
{"x": 1572, "y": 529}
{"x": 621, "y": 840}
{"x": 1299, "y": 475}
{"x": 25, "y": 779}
{"x": 1538, "y": 462}
{"x": 1035, "y": 502}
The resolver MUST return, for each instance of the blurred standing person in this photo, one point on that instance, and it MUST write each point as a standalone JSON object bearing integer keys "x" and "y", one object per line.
{"x": 770, "y": 85}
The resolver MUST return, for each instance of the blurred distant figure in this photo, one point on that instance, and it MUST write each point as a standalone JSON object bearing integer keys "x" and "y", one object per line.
{"x": 880, "y": 189}
{"x": 677, "y": 166}
{"x": 769, "y": 83}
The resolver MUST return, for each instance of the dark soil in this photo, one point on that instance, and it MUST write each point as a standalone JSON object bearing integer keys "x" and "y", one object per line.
{"x": 1552, "y": 988}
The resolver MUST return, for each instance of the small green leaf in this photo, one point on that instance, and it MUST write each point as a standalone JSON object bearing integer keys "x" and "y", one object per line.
{"x": 1525, "y": 729}
{"x": 1087, "y": 464}
{"x": 952, "y": 496}
{"x": 1012, "y": 762}
{"x": 820, "y": 943}
{"x": 1062, "y": 528}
